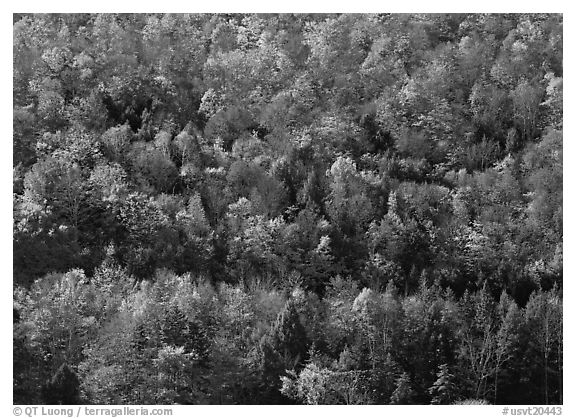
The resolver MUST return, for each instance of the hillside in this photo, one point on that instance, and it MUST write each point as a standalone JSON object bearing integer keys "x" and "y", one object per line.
{"x": 287, "y": 208}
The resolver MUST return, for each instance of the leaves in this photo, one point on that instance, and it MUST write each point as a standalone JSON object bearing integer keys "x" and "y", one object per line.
{"x": 205, "y": 201}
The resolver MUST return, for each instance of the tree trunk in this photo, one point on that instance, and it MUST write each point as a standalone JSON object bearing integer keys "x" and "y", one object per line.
{"x": 546, "y": 377}
{"x": 496, "y": 387}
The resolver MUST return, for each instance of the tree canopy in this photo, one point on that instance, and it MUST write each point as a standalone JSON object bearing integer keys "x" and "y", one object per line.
{"x": 287, "y": 208}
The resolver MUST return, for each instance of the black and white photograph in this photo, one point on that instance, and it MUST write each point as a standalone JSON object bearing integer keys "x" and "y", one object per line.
{"x": 287, "y": 209}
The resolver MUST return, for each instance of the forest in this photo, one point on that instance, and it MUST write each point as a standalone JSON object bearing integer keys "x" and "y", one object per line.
{"x": 287, "y": 209}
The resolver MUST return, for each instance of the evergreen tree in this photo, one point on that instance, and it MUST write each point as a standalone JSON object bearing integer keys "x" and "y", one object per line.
{"x": 403, "y": 394}
{"x": 283, "y": 348}
{"x": 443, "y": 391}
{"x": 63, "y": 388}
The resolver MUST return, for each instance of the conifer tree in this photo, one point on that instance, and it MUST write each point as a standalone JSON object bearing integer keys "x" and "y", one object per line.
{"x": 403, "y": 394}
{"x": 443, "y": 390}
{"x": 63, "y": 388}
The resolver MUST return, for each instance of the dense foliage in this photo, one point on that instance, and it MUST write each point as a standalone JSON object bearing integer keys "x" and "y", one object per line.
{"x": 287, "y": 208}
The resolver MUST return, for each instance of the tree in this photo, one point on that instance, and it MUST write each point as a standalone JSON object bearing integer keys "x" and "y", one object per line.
{"x": 63, "y": 388}
{"x": 288, "y": 334}
{"x": 177, "y": 377}
{"x": 526, "y": 101}
{"x": 553, "y": 101}
{"x": 378, "y": 318}
{"x": 178, "y": 331}
{"x": 283, "y": 348}
{"x": 543, "y": 314}
{"x": 59, "y": 318}
{"x": 478, "y": 335}
{"x": 403, "y": 394}
{"x": 507, "y": 336}
{"x": 116, "y": 142}
{"x": 444, "y": 390}
{"x": 348, "y": 205}
{"x": 153, "y": 166}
